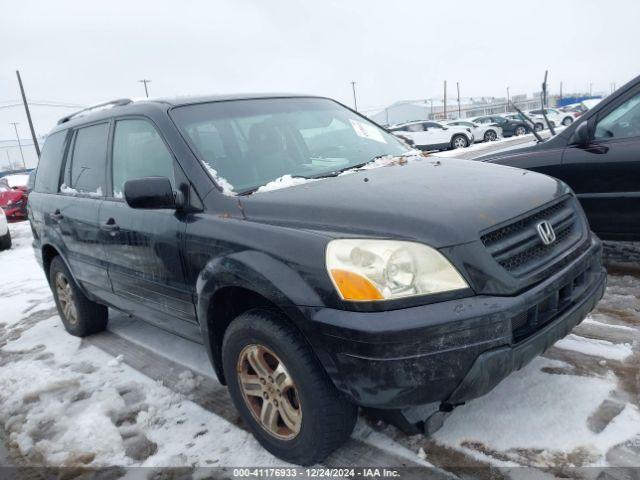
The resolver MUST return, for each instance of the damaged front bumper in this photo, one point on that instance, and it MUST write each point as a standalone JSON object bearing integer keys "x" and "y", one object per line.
{"x": 454, "y": 351}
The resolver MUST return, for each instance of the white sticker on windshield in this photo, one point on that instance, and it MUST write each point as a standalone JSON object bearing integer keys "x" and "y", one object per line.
{"x": 365, "y": 130}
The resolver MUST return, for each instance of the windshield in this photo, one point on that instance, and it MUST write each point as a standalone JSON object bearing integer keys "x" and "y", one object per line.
{"x": 250, "y": 143}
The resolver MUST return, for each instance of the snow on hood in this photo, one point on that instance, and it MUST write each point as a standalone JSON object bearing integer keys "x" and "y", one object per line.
{"x": 386, "y": 161}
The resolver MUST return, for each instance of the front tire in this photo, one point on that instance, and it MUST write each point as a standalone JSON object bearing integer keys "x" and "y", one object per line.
{"x": 538, "y": 127}
{"x": 459, "y": 141}
{"x": 80, "y": 316}
{"x": 281, "y": 391}
{"x": 567, "y": 121}
{"x": 520, "y": 130}
{"x": 5, "y": 241}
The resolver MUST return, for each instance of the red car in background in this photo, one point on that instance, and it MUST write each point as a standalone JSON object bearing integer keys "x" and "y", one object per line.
{"x": 14, "y": 194}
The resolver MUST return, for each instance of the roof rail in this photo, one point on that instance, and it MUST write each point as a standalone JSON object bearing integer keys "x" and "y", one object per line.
{"x": 113, "y": 103}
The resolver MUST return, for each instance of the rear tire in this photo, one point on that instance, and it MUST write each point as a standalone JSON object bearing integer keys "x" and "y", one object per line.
{"x": 538, "y": 127}
{"x": 80, "y": 316}
{"x": 490, "y": 136}
{"x": 288, "y": 401}
{"x": 567, "y": 121}
{"x": 5, "y": 241}
{"x": 520, "y": 130}
{"x": 459, "y": 141}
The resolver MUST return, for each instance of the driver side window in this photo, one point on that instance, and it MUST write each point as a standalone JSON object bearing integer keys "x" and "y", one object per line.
{"x": 139, "y": 151}
{"x": 622, "y": 122}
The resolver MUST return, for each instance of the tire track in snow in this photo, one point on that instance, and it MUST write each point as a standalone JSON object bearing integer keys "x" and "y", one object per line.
{"x": 214, "y": 398}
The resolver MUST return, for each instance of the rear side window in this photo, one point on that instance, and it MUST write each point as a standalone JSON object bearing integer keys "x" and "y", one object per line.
{"x": 87, "y": 170}
{"x": 48, "y": 173}
{"x": 139, "y": 151}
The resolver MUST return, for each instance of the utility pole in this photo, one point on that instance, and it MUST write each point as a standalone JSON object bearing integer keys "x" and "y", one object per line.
{"x": 9, "y": 160}
{"x": 507, "y": 99}
{"x": 561, "y": 91}
{"x": 458, "y": 87}
{"x": 386, "y": 112}
{"x": 355, "y": 100}
{"x": 445, "y": 99}
{"x": 146, "y": 90}
{"x": 26, "y": 109}
{"x": 590, "y": 88}
{"x": 15, "y": 126}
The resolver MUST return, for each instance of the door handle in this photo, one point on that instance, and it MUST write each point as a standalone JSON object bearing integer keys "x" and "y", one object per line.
{"x": 109, "y": 226}
{"x": 56, "y": 216}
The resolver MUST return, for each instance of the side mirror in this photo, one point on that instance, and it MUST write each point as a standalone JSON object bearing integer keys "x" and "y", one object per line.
{"x": 149, "y": 193}
{"x": 581, "y": 136}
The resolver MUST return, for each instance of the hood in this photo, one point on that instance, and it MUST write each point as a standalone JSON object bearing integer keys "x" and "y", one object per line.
{"x": 439, "y": 202}
{"x": 11, "y": 196}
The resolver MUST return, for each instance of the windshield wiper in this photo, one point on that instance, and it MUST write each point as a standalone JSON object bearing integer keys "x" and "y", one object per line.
{"x": 332, "y": 173}
{"x": 335, "y": 173}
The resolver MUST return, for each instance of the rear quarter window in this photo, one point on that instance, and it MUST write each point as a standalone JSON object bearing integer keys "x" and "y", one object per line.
{"x": 48, "y": 172}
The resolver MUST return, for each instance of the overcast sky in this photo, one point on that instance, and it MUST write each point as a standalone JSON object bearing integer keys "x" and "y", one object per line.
{"x": 83, "y": 52}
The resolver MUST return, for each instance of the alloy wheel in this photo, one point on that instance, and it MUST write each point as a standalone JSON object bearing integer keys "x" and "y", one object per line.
{"x": 459, "y": 142}
{"x": 269, "y": 391}
{"x": 490, "y": 136}
{"x": 520, "y": 131}
{"x": 65, "y": 298}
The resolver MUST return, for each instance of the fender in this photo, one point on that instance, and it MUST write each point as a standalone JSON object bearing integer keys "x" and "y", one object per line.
{"x": 256, "y": 271}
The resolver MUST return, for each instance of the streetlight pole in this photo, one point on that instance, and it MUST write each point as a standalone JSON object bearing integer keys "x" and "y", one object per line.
{"x": 458, "y": 87}
{"x": 146, "y": 90}
{"x": 15, "y": 126}
{"x": 355, "y": 100}
{"x": 507, "y": 99}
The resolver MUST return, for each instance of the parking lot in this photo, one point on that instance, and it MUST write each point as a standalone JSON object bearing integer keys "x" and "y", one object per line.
{"x": 136, "y": 396}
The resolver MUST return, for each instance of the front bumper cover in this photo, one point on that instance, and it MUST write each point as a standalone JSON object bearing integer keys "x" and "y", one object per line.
{"x": 450, "y": 351}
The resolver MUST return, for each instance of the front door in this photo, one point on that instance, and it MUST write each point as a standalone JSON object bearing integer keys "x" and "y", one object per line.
{"x": 144, "y": 247}
{"x": 606, "y": 174}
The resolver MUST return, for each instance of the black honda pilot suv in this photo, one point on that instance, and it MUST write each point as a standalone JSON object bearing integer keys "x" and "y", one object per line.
{"x": 322, "y": 263}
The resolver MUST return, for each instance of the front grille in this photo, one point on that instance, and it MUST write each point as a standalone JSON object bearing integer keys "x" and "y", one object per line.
{"x": 553, "y": 305}
{"x": 518, "y": 248}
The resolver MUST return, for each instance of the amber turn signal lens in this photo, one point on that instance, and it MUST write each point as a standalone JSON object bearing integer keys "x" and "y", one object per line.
{"x": 355, "y": 287}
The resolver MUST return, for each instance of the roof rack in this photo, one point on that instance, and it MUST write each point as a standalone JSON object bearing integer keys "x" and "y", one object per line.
{"x": 113, "y": 103}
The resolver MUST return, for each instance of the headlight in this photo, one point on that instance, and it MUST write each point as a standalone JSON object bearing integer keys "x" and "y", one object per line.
{"x": 368, "y": 270}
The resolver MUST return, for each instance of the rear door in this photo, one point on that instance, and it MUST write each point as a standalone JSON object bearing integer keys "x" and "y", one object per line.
{"x": 143, "y": 247}
{"x": 75, "y": 212}
{"x": 606, "y": 174}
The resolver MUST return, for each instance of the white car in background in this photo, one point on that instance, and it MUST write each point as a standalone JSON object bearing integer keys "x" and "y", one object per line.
{"x": 558, "y": 117}
{"x": 481, "y": 133}
{"x": 5, "y": 234}
{"x": 429, "y": 135}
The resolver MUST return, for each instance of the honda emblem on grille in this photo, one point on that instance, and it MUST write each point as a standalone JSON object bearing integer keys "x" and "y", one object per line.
{"x": 546, "y": 232}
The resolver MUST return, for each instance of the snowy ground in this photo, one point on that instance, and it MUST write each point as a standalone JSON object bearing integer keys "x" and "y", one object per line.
{"x": 135, "y": 396}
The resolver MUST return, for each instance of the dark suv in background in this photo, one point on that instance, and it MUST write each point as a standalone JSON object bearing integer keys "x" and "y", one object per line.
{"x": 509, "y": 127}
{"x": 598, "y": 156}
{"x": 321, "y": 263}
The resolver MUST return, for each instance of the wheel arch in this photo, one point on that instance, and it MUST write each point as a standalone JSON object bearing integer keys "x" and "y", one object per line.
{"x": 230, "y": 286}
